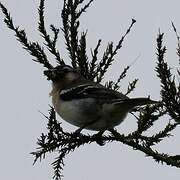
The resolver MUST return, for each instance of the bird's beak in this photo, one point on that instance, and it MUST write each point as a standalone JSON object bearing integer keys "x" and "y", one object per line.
{"x": 49, "y": 73}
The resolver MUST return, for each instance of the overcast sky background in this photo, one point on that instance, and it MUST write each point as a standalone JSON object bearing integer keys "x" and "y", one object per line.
{"x": 24, "y": 89}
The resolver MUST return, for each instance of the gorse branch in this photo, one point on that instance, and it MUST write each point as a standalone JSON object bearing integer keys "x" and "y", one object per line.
{"x": 32, "y": 47}
{"x": 93, "y": 64}
{"x": 51, "y": 44}
{"x": 84, "y": 8}
{"x": 94, "y": 68}
{"x": 131, "y": 86}
{"x": 170, "y": 91}
{"x": 109, "y": 55}
{"x": 178, "y": 40}
{"x": 57, "y": 139}
{"x": 76, "y": 45}
{"x": 121, "y": 77}
{"x": 82, "y": 59}
{"x": 70, "y": 28}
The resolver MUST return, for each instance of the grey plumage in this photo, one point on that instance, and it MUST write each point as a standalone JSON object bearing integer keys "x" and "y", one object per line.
{"x": 87, "y": 104}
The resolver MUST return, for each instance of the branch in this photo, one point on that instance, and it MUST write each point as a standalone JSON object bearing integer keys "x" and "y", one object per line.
{"x": 93, "y": 63}
{"x": 169, "y": 92}
{"x": 70, "y": 28}
{"x": 131, "y": 86}
{"x": 84, "y": 8}
{"x": 178, "y": 40}
{"x": 32, "y": 47}
{"x": 110, "y": 53}
{"x": 51, "y": 44}
{"x": 82, "y": 59}
{"x": 57, "y": 139}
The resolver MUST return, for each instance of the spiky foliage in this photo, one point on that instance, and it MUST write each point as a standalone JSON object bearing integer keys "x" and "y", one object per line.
{"x": 56, "y": 139}
{"x": 94, "y": 68}
{"x": 76, "y": 43}
{"x": 33, "y": 48}
{"x": 170, "y": 91}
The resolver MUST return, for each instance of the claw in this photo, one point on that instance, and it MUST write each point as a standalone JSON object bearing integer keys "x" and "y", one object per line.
{"x": 99, "y": 139}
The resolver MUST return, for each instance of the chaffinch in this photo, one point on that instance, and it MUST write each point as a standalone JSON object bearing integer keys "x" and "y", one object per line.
{"x": 87, "y": 104}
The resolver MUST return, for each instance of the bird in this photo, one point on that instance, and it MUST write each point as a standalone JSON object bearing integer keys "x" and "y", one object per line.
{"x": 88, "y": 104}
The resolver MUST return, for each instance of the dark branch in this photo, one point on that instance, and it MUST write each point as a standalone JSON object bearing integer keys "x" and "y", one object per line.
{"x": 109, "y": 55}
{"x": 169, "y": 92}
{"x": 93, "y": 63}
{"x": 57, "y": 139}
{"x": 32, "y": 47}
{"x": 51, "y": 44}
{"x": 131, "y": 86}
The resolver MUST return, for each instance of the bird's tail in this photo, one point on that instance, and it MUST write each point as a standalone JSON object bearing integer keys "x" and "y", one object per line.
{"x": 133, "y": 102}
{"x": 141, "y": 101}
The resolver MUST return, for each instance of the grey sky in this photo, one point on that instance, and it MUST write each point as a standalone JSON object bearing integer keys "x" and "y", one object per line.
{"x": 24, "y": 90}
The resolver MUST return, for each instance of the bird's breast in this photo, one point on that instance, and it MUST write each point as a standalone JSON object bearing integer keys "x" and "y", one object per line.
{"x": 77, "y": 112}
{"x": 88, "y": 112}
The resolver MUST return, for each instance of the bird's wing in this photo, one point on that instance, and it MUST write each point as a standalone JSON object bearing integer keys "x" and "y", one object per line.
{"x": 91, "y": 91}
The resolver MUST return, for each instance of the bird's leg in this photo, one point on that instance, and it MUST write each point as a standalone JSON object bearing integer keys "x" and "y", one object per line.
{"x": 84, "y": 126}
{"x": 77, "y": 133}
{"x": 114, "y": 132}
{"x": 98, "y": 138}
{"x": 80, "y": 129}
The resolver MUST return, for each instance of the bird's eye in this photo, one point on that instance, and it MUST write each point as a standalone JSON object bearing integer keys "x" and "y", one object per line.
{"x": 61, "y": 71}
{"x": 66, "y": 69}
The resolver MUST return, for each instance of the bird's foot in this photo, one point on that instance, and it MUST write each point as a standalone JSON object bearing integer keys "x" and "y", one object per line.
{"x": 99, "y": 138}
{"x": 114, "y": 132}
{"x": 77, "y": 133}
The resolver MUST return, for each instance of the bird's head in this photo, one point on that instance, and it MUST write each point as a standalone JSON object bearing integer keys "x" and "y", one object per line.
{"x": 62, "y": 73}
